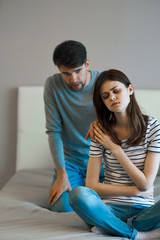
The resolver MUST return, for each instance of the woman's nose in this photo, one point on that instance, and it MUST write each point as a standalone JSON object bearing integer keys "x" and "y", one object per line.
{"x": 112, "y": 97}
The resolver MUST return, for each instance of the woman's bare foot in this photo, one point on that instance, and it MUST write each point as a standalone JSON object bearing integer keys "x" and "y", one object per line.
{"x": 150, "y": 235}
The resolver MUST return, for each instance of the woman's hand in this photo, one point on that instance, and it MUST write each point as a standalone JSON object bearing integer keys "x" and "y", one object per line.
{"x": 103, "y": 138}
{"x": 147, "y": 194}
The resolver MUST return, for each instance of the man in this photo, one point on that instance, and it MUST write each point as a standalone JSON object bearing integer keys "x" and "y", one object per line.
{"x": 69, "y": 112}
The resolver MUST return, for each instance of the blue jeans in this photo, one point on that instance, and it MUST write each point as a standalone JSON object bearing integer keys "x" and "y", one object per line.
{"x": 76, "y": 178}
{"x": 113, "y": 217}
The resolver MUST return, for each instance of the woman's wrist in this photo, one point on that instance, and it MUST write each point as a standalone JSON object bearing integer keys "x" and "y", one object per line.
{"x": 116, "y": 150}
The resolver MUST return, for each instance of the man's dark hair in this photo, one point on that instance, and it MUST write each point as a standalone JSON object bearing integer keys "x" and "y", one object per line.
{"x": 70, "y": 54}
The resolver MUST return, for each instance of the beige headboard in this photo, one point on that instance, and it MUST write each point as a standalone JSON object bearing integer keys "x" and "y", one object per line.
{"x": 32, "y": 142}
{"x": 149, "y": 101}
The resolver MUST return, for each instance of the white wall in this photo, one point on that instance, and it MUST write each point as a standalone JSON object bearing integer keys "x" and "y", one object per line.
{"x": 123, "y": 34}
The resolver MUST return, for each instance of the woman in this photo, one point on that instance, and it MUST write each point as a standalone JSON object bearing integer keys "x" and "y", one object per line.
{"x": 129, "y": 143}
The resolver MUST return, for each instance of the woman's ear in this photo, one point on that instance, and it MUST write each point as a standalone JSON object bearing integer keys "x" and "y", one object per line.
{"x": 130, "y": 89}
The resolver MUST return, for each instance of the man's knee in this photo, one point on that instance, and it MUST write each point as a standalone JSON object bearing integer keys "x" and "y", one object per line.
{"x": 62, "y": 204}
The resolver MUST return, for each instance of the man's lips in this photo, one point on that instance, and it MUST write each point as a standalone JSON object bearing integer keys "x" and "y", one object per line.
{"x": 76, "y": 84}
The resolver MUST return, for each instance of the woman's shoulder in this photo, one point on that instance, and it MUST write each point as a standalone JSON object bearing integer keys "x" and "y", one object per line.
{"x": 152, "y": 121}
{"x": 153, "y": 125}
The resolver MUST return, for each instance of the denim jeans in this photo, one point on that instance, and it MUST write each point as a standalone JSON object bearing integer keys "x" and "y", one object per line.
{"x": 76, "y": 178}
{"x": 113, "y": 217}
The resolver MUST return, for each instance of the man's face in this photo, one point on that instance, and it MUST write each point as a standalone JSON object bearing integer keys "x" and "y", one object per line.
{"x": 76, "y": 78}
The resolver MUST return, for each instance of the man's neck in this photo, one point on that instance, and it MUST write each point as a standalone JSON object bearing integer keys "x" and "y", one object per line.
{"x": 88, "y": 78}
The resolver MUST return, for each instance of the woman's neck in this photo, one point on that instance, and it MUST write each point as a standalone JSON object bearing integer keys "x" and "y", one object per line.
{"x": 122, "y": 126}
{"x": 122, "y": 120}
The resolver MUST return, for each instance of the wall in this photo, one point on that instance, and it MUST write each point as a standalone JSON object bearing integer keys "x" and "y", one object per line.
{"x": 121, "y": 34}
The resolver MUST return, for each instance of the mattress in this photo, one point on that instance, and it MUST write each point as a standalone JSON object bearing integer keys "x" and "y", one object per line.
{"x": 25, "y": 214}
{"x": 24, "y": 204}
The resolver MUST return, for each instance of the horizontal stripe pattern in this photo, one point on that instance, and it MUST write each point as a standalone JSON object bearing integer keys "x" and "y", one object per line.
{"x": 115, "y": 174}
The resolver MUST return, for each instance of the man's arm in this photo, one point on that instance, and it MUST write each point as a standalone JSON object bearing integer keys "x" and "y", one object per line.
{"x": 54, "y": 124}
{"x": 54, "y": 131}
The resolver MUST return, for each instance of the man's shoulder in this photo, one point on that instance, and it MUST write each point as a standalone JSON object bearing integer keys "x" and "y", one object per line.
{"x": 54, "y": 77}
{"x": 95, "y": 74}
{"x": 53, "y": 80}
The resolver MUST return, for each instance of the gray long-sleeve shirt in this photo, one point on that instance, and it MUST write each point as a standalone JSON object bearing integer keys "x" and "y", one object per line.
{"x": 68, "y": 116}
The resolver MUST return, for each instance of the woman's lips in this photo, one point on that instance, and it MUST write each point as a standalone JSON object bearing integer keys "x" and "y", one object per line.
{"x": 115, "y": 104}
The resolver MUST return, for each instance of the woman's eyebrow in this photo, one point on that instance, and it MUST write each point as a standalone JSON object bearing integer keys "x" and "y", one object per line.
{"x": 109, "y": 90}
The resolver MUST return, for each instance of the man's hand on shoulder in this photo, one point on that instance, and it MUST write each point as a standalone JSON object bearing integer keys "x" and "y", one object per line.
{"x": 90, "y": 133}
{"x": 61, "y": 185}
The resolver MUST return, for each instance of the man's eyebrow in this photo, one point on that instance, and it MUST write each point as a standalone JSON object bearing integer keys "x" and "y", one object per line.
{"x": 64, "y": 72}
{"x": 79, "y": 68}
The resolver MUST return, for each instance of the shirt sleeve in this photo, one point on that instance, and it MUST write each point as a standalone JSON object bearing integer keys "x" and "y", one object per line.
{"x": 154, "y": 137}
{"x": 96, "y": 149}
{"x": 54, "y": 125}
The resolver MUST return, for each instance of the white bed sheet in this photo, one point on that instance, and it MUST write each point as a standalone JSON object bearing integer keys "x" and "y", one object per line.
{"x": 24, "y": 213}
{"x": 24, "y": 204}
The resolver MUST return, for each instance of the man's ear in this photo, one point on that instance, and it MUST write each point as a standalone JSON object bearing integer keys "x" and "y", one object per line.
{"x": 130, "y": 89}
{"x": 87, "y": 63}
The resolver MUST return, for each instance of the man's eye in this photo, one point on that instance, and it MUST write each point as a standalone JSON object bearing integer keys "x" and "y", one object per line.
{"x": 66, "y": 74}
{"x": 78, "y": 70}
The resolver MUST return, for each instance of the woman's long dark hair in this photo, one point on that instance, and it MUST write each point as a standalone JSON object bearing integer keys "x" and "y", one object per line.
{"x": 106, "y": 118}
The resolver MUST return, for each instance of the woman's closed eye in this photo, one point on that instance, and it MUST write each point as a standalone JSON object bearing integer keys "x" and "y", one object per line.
{"x": 116, "y": 91}
{"x": 105, "y": 96}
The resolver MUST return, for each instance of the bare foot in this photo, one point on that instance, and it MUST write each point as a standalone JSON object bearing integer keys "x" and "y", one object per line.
{"x": 150, "y": 235}
{"x": 98, "y": 230}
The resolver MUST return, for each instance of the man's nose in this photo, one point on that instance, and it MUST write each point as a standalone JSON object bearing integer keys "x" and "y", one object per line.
{"x": 73, "y": 77}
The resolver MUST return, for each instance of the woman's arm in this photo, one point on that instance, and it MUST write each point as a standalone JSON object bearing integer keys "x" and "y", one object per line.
{"x": 92, "y": 181}
{"x": 143, "y": 180}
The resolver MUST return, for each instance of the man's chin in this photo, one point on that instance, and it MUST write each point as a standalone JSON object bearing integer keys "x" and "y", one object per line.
{"x": 77, "y": 87}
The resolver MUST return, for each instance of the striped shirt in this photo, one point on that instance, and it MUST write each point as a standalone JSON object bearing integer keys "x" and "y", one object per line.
{"x": 114, "y": 172}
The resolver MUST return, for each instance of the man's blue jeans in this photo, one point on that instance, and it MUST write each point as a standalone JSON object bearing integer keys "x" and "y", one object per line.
{"x": 113, "y": 217}
{"x": 76, "y": 178}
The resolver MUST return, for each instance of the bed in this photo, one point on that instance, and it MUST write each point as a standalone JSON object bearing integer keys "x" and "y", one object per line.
{"x": 24, "y": 205}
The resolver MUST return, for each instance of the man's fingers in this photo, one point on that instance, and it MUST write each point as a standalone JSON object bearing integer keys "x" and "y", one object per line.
{"x": 69, "y": 188}
{"x": 87, "y": 135}
{"x": 55, "y": 199}
{"x": 92, "y": 135}
{"x": 51, "y": 196}
{"x": 91, "y": 130}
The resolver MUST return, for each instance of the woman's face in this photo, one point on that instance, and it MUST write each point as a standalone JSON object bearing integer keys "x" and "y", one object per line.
{"x": 115, "y": 95}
